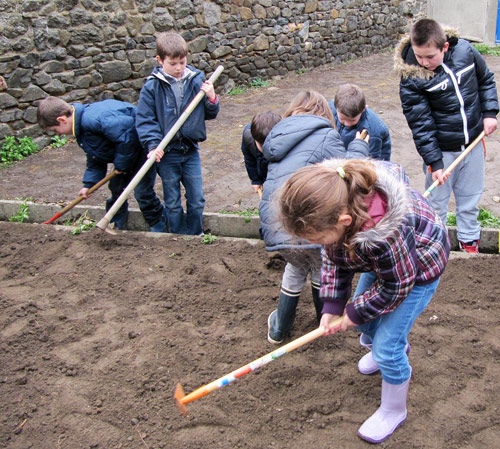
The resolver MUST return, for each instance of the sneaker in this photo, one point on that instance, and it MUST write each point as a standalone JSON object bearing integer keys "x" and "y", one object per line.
{"x": 276, "y": 340}
{"x": 469, "y": 247}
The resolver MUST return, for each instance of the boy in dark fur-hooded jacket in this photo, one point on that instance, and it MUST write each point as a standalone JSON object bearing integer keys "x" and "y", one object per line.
{"x": 449, "y": 97}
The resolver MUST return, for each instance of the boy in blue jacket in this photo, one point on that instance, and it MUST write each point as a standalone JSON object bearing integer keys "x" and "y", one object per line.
{"x": 352, "y": 115}
{"x": 255, "y": 162}
{"x": 106, "y": 132}
{"x": 165, "y": 95}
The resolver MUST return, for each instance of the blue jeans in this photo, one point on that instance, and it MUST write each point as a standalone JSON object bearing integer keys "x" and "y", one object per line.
{"x": 389, "y": 332}
{"x": 175, "y": 168}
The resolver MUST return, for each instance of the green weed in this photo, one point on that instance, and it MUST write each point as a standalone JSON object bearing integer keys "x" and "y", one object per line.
{"x": 257, "y": 83}
{"x": 58, "y": 141}
{"x": 238, "y": 90}
{"x": 486, "y": 219}
{"x": 208, "y": 238}
{"x": 23, "y": 213}
{"x": 17, "y": 148}
{"x": 82, "y": 223}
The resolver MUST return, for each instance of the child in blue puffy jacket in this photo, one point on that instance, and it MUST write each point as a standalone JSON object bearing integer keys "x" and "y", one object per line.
{"x": 352, "y": 115}
{"x": 165, "y": 95}
{"x": 106, "y": 132}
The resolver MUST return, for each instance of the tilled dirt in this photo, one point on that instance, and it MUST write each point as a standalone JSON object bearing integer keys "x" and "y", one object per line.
{"x": 97, "y": 330}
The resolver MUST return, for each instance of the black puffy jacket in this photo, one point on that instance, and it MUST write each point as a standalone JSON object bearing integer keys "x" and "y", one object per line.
{"x": 445, "y": 107}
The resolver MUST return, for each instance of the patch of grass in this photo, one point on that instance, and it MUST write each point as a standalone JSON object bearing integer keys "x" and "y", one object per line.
{"x": 82, "y": 223}
{"x": 302, "y": 70}
{"x": 17, "y": 148}
{"x": 58, "y": 141}
{"x": 486, "y": 49}
{"x": 249, "y": 212}
{"x": 486, "y": 219}
{"x": 208, "y": 238}
{"x": 23, "y": 214}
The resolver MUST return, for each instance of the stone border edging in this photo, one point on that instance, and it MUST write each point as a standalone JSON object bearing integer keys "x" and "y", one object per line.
{"x": 223, "y": 225}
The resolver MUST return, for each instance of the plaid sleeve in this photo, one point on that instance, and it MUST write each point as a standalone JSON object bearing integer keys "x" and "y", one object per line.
{"x": 335, "y": 284}
{"x": 396, "y": 269}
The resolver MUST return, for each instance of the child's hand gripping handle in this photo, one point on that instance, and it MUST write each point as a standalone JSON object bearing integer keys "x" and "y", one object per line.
{"x": 455, "y": 163}
{"x": 103, "y": 223}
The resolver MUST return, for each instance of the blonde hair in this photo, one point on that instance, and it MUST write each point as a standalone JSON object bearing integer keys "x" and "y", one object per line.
{"x": 314, "y": 197}
{"x": 310, "y": 102}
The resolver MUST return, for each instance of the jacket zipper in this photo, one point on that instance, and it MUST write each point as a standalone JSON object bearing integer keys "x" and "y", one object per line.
{"x": 460, "y": 100}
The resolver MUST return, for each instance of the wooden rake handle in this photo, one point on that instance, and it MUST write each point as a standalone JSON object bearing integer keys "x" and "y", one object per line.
{"x": 103, "y": 223}
{"x": 79, "y": 199}
{"x": 455, "y": 163}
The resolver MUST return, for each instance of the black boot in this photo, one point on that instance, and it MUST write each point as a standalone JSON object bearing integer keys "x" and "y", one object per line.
{"x": 318, "y": 303}
{"x": 280, "y": 321}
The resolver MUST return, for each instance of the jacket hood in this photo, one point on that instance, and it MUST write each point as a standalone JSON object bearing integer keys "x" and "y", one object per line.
{"x": 289, "y": 132}
{"x": 405, "y": 70}
{"x": 396, "y": 193}
{"x": 158, "y": 73}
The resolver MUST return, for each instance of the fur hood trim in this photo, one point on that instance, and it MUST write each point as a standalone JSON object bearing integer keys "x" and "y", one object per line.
{"x": 396, "y": 193}
{"x": 405, "y": 70}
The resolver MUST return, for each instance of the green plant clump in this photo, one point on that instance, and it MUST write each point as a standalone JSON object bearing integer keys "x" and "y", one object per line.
{"x": 238, "y": 90}
{"x": 82, "y": 223}
{"x": 23, "y": 213}
{"x": 486, "y": 219}
{"x": 208, "y": 238}
{"x": 258, "y": 83}
{"x": 17, "y": 148}
{"x": 58, "y": 141}
{"x": 486, "y": 49}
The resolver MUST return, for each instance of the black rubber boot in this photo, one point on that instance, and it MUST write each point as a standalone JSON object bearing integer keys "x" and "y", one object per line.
{"x": 318, "y": 303}
{"x": 280, "y": 321}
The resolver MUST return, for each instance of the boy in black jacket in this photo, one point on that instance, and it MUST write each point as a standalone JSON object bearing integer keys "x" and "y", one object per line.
{"x": 448, "y": 96}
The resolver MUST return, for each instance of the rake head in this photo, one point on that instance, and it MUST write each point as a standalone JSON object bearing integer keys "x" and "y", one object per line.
{"x": 178, "y": 395}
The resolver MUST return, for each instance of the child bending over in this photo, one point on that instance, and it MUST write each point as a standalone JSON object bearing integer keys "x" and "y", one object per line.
{"x": 368, "y": 220}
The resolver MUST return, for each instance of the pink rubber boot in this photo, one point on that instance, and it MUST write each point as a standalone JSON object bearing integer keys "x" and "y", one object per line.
{"x": 389, "y": 416}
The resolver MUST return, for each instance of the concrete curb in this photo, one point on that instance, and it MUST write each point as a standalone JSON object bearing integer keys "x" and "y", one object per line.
{"x": 223, "y": 225}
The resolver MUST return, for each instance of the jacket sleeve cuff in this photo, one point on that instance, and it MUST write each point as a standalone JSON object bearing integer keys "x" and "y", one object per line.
{"x": 490, "y": 114}
{"x": 333, "y": 307}
{"x": 437, "y": 165}
{"x": 215, "y": 100}
{"x": 353, "y": 315}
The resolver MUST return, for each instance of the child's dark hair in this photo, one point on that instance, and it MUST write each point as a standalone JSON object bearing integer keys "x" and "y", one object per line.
{"x": 262, "y": 123}
{"x": 171, "y": 45}
{"x": 310, "y": 102}
{"x": 49, "y": 109}
{"x": 427, "y": 32}
{"x": 314, "y": 197}
{"x": 350, "y": 100}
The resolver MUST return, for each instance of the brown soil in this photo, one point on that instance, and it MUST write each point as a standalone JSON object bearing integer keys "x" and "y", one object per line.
{"x": 54, "y": 175}
{"x": 96, "y": 331}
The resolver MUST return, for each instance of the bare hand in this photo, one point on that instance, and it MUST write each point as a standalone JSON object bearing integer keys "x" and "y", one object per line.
{"x": 440, "y": 176}
{"x": 366, "y": 139}
{"x": 83, "y": 192}
{"x": 209, "y": 90}
{"x": 489, "y": 125}
{"x": 256, "y": 188}
{"x": 332, "y": 325}
{"x": 159, "y": 154}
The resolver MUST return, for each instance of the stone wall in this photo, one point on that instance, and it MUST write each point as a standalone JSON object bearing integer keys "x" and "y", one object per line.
{"x": 90, "y": 50}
